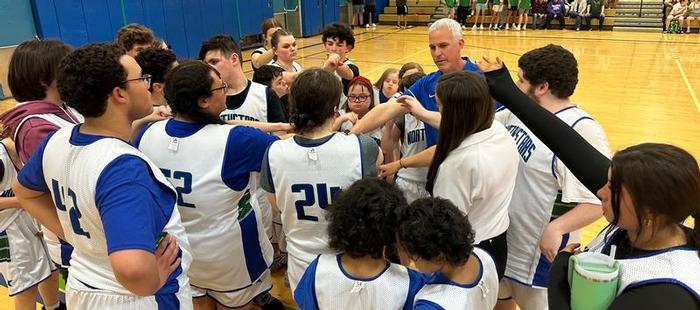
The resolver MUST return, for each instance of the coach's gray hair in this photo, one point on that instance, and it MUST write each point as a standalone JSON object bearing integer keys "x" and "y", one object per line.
{"x": 448, "y": 23}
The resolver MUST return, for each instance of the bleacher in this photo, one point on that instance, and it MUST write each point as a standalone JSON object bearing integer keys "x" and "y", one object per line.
{"x": 428, "y": 11}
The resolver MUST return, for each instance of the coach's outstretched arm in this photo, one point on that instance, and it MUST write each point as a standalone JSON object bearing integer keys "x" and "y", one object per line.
{"x": 378, "y": 116}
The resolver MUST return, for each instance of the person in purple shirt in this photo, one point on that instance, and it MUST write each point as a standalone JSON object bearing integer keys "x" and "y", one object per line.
{"x": 555, "y": 10}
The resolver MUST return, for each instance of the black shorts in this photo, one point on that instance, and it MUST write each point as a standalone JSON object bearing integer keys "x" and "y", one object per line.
{"x": 402, "y": 9}
{"x": 513, "y": 8}
{"x": 498, "y": 248}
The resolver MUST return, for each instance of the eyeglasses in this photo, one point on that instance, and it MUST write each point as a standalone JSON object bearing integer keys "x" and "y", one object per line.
{"x": 146, "y": 78}
{"x": 359, "y": 98}
{"x": 222, "y": 87}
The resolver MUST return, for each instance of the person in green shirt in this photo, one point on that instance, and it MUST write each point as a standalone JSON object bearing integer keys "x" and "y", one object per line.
{"x": 449, "y": 8}
{"x": 463, "y": 13}
{"x": 496, "y": 8}
{"x": 512, "y": 13}
{"x": 523, "y": 10}
{"x": 481, "y": 7}
{"x": 596, "y": 9}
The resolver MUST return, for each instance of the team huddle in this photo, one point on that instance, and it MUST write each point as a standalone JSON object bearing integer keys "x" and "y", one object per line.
{"x": 181, "y": 184}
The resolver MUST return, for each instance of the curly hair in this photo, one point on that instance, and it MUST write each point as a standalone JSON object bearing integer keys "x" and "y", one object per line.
{"x": 435, "y": 230}
{"x": 33, "y": 67}
{"x": 156, "y": 62}
{"x": 132, "y": 34}
{"x": 339, "y": 31}
{"x": 313, "y": 97}
{"x": 362, "y": 218}
{"x": 185, "y": 85}
{"x": 222, "y": 43}
{"x": 88, "y": 75}
{"x": 552, "y": 64}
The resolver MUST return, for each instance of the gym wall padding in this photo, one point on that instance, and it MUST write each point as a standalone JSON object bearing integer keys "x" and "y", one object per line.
{"x": 16, "y": 22}
{"x": 183, "y": 24}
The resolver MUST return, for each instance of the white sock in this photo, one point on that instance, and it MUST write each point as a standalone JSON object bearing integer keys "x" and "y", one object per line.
{"x": 53, "y": 307}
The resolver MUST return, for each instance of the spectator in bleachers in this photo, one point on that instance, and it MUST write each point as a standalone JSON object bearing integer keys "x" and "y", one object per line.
{"x": 579, "y": 12}
{"x": 523, "y": 10}
{"x": 668, "y": 5}
{"x": 402, "y": 12}
{"x": 539, "y": 10}
{"x": 463, "y": 12}
{"x": 481, "y": 6}
{"x": 370, "y": 16}
{"x": 693, "y": 14}
{"x": 596, "y": 9}
{"x": 555, "y": 10}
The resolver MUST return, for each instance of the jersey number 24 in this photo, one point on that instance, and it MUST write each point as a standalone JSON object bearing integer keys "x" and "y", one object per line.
{"x": 311, "y": 193}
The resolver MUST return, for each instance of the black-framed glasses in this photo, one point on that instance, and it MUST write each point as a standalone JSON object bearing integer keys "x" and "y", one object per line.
{"x": 222, "y": 87}
{"x": 146, "y": 78}
{"x": 359, "y": 98}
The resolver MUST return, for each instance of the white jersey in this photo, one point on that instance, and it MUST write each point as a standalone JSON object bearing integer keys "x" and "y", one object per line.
{"x": 254, "y": 107}
{"x": 478, "y": 177}
{"x": 229, "y": 244}
{"x": 541, "y": 175}
{"x": 7, "y": 216}
{"x": 482, "y": 294}
{"x": 306, "y": 178}
{"x": 677, "y": 265}
{"x": 297, "y": 67}
{"x": 71, "y": 172}
{"x": 413, "y": 142}
{"x": 326, "y": 285}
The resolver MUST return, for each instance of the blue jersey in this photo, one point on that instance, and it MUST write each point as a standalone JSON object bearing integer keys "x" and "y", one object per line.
{"x": 424, "y": 91}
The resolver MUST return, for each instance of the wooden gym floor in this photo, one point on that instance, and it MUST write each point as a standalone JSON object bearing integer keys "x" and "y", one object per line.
{"x": 641, "y": 87}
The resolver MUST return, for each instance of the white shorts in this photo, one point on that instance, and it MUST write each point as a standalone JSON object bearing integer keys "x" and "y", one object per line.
{"x": 24, "y": 259}
{"x": 527, "y": 297}
{"x": 80, "y": 296}
{"x": 237, "y": 298}
{"x": 412, "y": 190}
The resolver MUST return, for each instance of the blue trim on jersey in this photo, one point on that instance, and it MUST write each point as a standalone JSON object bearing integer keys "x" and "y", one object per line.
{"x": 675, "y": 248}
{"x": 305, "y": 293}
{"x": 424, "y": 304}
{"x": 251, "y": 246}
{"x": 662, "y": 281}
{"x": 351, "y": 277}
{"x": 181, "y": 129}
{"x": 172, "y": 286}
{"x": 244, "y": 153}
{"x": 416, "y": 281}
{"x": 362, "y": 161}
{"x": 440, "y": 278}
{"x": 137, "y": 139}
{"x": 564, "y": 109}
{"x": 167, "y": 302}
{"x": 66, "y": 252}
{"x": 541, "y": 277}
{"x": 31, "y": 175}
{"x": 78, "y": 138}
{"x": 318, "y": 142}
{"x": 580, "y": 119}
{"x": 134, "y": 207}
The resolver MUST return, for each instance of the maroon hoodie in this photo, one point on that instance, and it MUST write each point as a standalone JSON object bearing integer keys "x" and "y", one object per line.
{"x": 34, "y": 130}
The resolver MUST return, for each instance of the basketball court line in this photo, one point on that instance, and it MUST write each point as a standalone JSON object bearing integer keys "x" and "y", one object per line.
{"x": 687, "y": 83}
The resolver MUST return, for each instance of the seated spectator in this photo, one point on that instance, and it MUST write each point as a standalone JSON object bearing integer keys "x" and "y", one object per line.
{"x": 555, "y": 10}
{"x": 596, "y": 9}
{"x": 539, "y": 9}
{"x": 693, "y": 14}
{"x": 579, "y": 12}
